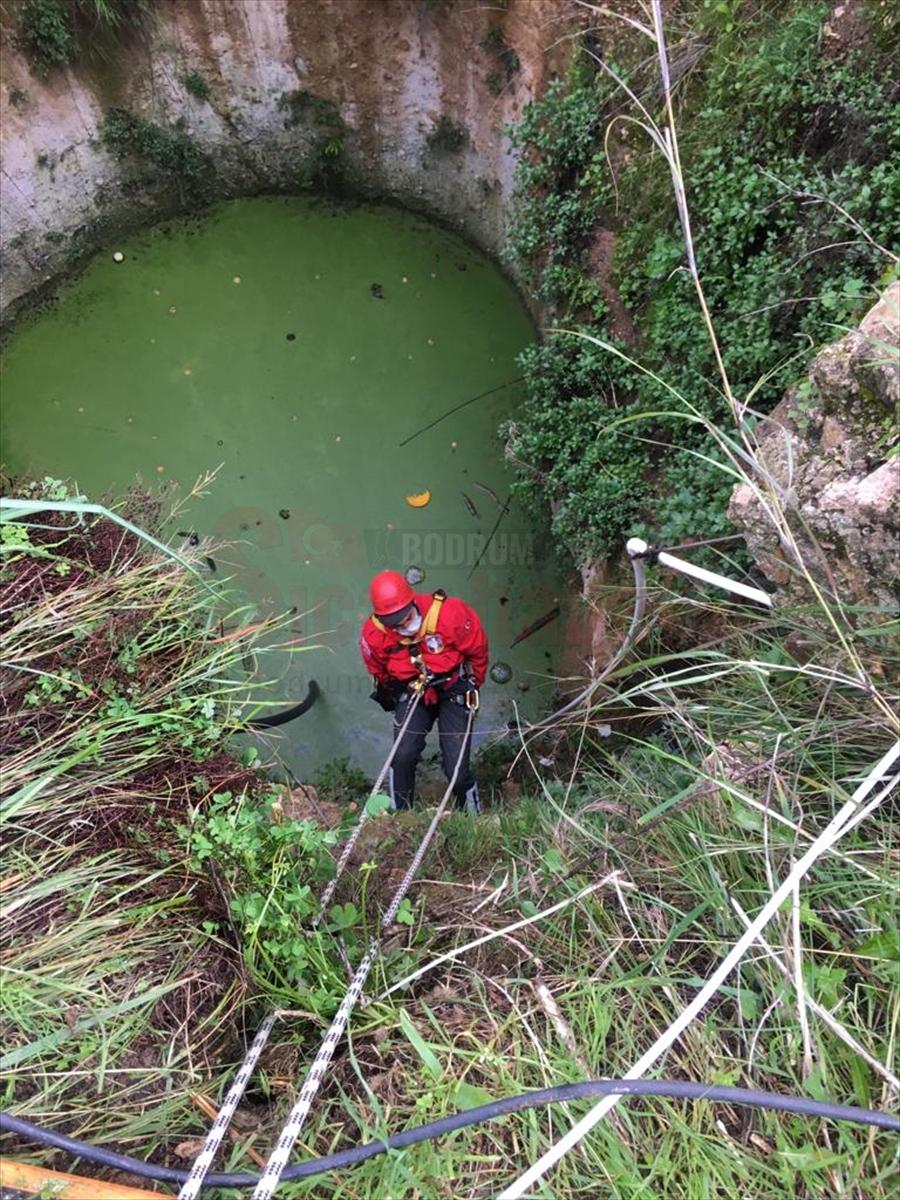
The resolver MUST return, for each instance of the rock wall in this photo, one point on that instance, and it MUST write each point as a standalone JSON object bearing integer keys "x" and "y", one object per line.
{"x": 423, "y": 88}
{"x": 828, "y": 448}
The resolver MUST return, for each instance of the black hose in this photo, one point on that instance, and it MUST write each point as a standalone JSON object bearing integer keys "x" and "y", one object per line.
{"x": 313, "y": 692}
{"x": 677, "y": 1090}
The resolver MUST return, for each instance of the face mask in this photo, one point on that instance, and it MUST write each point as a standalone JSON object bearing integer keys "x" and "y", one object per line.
{"x": 411, "y": 628}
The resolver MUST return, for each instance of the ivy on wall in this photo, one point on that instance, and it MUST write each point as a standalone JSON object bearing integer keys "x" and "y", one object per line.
{"x": 53, "y": 33}
{"x": 790, "y": 145}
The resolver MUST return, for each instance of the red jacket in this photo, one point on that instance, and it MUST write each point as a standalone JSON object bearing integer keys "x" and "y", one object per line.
{"x": 459, "y": 637}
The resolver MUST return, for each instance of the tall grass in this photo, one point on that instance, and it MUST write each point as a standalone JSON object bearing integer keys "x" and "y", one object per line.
{"x": 119, "y": 693}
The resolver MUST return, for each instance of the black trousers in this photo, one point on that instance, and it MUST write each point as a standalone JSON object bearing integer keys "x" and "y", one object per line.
{"x": 452, "y": 718}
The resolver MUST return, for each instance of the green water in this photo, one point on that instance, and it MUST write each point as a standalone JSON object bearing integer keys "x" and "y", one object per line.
{"x": 252, "y": 339}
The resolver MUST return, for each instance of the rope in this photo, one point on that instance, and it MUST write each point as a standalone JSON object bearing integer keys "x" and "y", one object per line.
{"x": 204, "y": 1159}
{"x": 219, "y": 1127}
{"x": 364, "y": 815}
{"x": 271, "y": 1176}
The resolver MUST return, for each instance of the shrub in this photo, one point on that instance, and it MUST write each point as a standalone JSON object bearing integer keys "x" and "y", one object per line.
{"x": 54, "y": 33}
{"x": 168, "y": 150}
{"x": 196, "y": 85}
{"x": 447, "y": 137}
{"x": 781, "y": 146}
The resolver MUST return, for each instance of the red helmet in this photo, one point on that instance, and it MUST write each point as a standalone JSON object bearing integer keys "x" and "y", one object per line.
{"x": 389, "y": 592}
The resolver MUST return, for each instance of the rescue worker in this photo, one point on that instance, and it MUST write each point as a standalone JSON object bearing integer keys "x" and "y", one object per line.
{"x": 436, "y": 643}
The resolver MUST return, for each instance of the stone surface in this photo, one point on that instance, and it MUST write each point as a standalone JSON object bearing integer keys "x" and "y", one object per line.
{"x": 827, "y": 450}
{"x": 391, "y": 68}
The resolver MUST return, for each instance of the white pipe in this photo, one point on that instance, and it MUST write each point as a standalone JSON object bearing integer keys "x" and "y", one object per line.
{"x": 637, "y": 548}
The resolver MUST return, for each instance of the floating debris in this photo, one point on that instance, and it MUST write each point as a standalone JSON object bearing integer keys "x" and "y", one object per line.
{"x": 461, "y": 267}
{"x": 191, "y": 536}
{"x": 284, "y": 513}
{"x": 160, "y": 469}
{"x": 290, "y": 337}
{"x": 419, "y": 499}
{"x": 221, "y": 443}
{"x": 469, "y": 505}
{"x": 493, "y": 495}
{"x": 172, "y": 309}
{"x": 237, "y": 279}
{"x": 523, "y": 686}
{"x": 536, "y": 625}
{"x": 210, "y": 563}
{"x": 501, "y": 672}
{"x": 504, "y": 599}
{"x": 403, "y": 279}
{"x": 186, "y": 371}
{"x": 376, "y": 290}
{"x": 118, "y": 257}
{"x": 414, "y": 575}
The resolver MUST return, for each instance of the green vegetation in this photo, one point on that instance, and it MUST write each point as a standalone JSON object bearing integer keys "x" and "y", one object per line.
{"x": 115, "y": 702}
{"x": 18, "y": 97}
{"x": 272, "y": 869}
{"x": 196, "y": 85}
{"x": 339, "y": 782}
{"x": 54, "y": 33}
{"x": 158, "y": 898}
{"x": 167, "y": 153}
{"x": 791, "y": 154}
{"x": 321, "y": 168}
{"x": 447, "y": 137}
{"x": 494, "y": 44}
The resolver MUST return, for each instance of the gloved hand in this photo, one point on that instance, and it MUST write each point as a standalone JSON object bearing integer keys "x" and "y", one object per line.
{"x": 385, "y": 696}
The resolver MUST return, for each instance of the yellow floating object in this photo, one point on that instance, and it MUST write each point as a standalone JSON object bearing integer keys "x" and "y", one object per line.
{"x": 38, "y": 1181}
{"x": 419, "y": 500}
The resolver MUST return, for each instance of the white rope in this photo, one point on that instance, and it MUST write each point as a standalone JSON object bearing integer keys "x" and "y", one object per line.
{"x": 204, "y": 1159}
{"x": 849, "y": 816}
{"x": 271, "y": 1176}
{"x": 219, "y": 1127}
{"x": 364, "y": 815}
